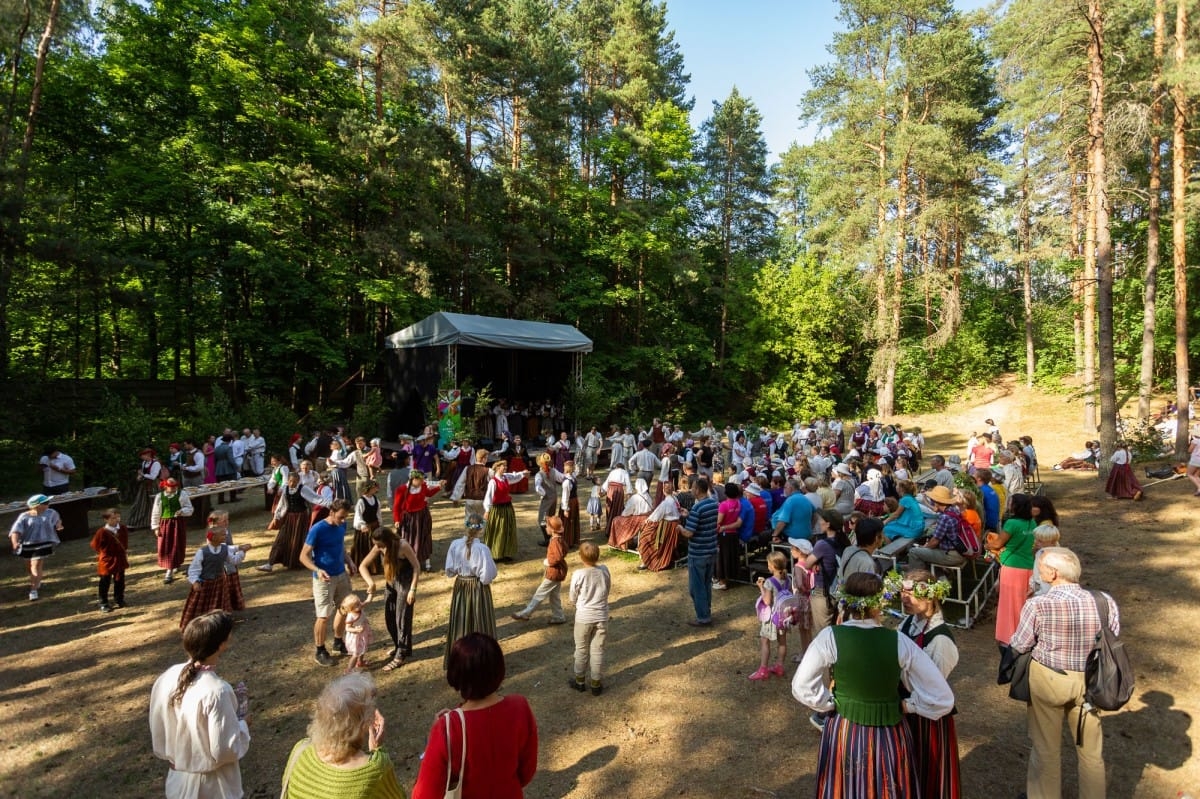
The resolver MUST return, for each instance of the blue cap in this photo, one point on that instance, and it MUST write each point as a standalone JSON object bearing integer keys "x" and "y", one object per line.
{"x": 37, "y": 499}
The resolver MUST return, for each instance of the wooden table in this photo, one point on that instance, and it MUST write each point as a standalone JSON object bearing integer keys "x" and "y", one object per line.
{"x": 73, "y": 507}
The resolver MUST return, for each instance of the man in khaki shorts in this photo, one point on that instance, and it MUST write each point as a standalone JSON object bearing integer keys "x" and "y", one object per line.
{"x": 324, "y": 553}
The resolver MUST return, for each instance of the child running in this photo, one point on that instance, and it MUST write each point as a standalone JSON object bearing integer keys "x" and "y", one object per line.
{"x": 772, "y": 627}
{"x": 358, "y": 632}
{"x": 111, "y": 543}
{"x": 556, "y": 571}
{"x": 589, "y": 593}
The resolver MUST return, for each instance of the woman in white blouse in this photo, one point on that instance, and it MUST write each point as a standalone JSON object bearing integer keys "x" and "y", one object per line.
{"x": 866, "y": 747}
{"x": 470, "y": 563}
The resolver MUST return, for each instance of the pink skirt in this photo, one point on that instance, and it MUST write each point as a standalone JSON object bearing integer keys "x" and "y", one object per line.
{"x": 1014, "y": 584}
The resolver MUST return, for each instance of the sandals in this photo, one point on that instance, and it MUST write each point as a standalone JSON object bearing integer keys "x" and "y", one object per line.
{"x": 393, "y": 664}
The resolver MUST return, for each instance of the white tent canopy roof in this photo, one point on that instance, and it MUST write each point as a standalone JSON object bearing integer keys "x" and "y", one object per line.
{"x": 441, "y": 329}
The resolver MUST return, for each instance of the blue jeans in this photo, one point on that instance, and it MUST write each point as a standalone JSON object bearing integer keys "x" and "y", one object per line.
{"x": 700, "y": 576}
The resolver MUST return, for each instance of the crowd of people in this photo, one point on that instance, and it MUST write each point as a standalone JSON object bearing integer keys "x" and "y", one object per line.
{"x": 823, "y": 497}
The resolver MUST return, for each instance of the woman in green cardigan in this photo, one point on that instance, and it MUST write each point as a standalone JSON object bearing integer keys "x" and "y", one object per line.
{"x": 866, "y": 747}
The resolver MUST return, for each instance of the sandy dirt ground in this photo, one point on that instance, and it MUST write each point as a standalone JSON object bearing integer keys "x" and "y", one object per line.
{"x": 678, "y": 716}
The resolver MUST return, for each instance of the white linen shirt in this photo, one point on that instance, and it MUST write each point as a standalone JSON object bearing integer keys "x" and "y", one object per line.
{"x": 931, "y": 695}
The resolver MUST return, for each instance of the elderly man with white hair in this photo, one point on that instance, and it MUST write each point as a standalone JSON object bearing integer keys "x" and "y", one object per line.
{"x": 1059, "y": 628}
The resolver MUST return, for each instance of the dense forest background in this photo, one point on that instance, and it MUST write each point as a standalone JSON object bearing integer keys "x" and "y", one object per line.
{"x": 260, "y": 192}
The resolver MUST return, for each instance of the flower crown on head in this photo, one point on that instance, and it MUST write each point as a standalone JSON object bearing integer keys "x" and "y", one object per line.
{"x": 887, "y": 596}
{"x": 937, "y": 589}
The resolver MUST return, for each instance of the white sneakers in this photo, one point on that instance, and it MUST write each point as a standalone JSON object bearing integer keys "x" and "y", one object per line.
{"x": 32, "y": 594}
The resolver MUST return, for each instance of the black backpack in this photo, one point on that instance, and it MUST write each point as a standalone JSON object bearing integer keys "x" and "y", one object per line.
{"x": 1108, "y": 676}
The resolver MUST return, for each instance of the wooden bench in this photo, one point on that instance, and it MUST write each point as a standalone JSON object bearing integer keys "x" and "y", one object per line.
{"x": 890, "y": 554}
{"x": 971, "y": 585}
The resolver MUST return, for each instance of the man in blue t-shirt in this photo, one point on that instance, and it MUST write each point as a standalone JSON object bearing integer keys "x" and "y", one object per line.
{"x": 324, "y": 553}
{"x": 990, "y": 500}
{"x": 795, "y": 518}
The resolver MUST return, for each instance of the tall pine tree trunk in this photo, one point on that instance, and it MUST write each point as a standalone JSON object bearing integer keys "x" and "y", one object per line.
{"x": 1104, "y": 265}
{"x": 1150, "y": 290}
{"x": 1181, "y": 163}
{"x": 1024, "y": 244}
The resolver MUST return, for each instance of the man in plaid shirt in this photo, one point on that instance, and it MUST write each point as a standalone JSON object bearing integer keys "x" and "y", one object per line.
{"x": 943, "y": 546}
{"x": 1060, "y": 627}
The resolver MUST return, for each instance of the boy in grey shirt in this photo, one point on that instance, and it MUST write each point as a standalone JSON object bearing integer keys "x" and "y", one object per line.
{"x": 589, "y": 593}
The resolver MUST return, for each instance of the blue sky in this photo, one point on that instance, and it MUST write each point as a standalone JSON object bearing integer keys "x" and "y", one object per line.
{"x": 765, "y": 48}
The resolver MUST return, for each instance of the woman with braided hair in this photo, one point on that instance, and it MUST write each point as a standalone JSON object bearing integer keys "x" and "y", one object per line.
{"x": 470, "y": 563}
{"x": 197, "y": 723}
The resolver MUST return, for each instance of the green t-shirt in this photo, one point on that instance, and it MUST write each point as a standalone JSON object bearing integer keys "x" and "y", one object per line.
{"x": 1018, "y": 552}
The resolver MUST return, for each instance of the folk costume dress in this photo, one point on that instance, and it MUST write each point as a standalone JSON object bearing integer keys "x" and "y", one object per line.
{"x": 169, "y": 521}
{"x": 471, "y": 565}
{"x": 660, "y": 535}
{"x": 148, "y": 475}
{"x": 616, "y": 488}
{"x": 935, "y": 742}
{"x": 500, "y": 532}
{"x": 410, "y": 511}
{"x": 325, "y": 496}
{"x": 1122, "y": 483}
{"x": 866, "y": 746}
{"x": 570, "y": 509}
{"x": 233, "y": 580}
{"x": 519, "y": 461}
{"x": 292, "y": 519}
{"x": 366, "y": 521}
{"x": 340, "y": 461}
{"x": 210, "y": 584}
{"x": 636, "y": 510}
{"x": 272, "y": 488}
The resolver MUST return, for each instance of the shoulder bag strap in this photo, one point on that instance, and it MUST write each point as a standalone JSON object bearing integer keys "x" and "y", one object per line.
{"x": 462, "y": 763}
{"x": 291, "y": 764}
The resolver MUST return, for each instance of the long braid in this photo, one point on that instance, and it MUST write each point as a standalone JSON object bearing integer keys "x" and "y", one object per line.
{"x": 202, "y": 638}
{"x": 186, "y": 677}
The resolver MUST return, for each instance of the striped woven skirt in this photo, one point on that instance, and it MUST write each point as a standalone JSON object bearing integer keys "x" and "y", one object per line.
{"x": 861, "y": 762}
{"x": 571, "y": 523}
{"x": 204, "y": 597}
{"x": 935, "y": 756}
{"x": 143, "y": 501}
{"x": 625, "y": 529}
{"x": 172, "y": 542}
{"x": 614, "y": 503}
{"x": 416, "y": 527}
{"x": 500, "y": 531}
{"x": 293, "y": 529}
{"x": 471, "y": 611}
{"x": 657, "y": 542}
{"x": 237, "y": 600}
{"x": 361, "y": 547}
